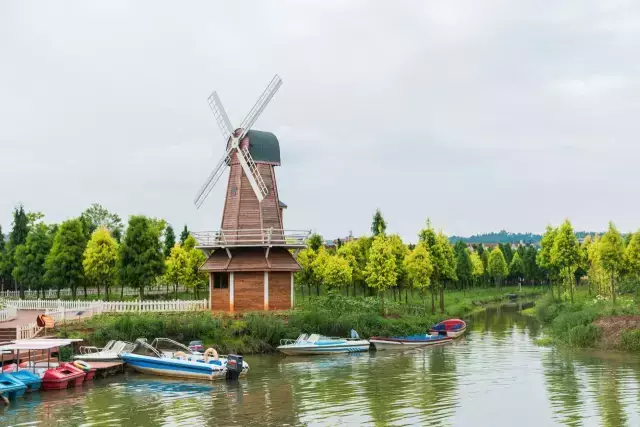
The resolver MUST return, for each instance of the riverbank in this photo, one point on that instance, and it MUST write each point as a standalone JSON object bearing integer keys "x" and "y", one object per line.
{"x": 261, "y": 332}
{"x": 590, "y": 322}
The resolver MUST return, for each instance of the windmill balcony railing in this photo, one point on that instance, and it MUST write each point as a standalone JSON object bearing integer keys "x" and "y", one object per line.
{"x": 252, "y": 237}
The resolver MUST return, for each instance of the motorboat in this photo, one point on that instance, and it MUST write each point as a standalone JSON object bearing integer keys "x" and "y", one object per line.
{"x": 320, "y": 344}
{"x": 170, "y": 358}
{"x": 406, "y": 342}
{"x": 108, "y": 353}
{"x": 452, "y": 328}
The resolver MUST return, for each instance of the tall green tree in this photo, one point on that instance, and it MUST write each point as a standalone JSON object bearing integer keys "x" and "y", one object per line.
{"x": 96, "y": 216}
{"x": 141, "y": 254}
{"x": 418, "y": 266}
{"x": 307, "y": 275}
{"x": 176, "y": 268}
{"x": 498, "y": 269}
{"x": 378, "y": 224}
{"x": 612, "y": 255}
{"x": 17, "y": 237}
{"x": 64, "y": 261}
{"x": 315, "y": 241}
{"x": 381, "y": 267}
{"x": 464, "y": 267}
{"x": 100, "y": 261}
{"x": 334, "y": 271}
{"x": 183, "y": 236}
{"x": 5, "y": 274}
{"x": 566, "y": 254}
{"x": 531, "y": 269}
{"x": 169, "y": 240}
{"x": 195, "y": 279}
{"x": 633, "y": 259}
{"x": 400, "y": 251}
{"x": 544, "y": 256}
{"x": 350, "y": 252}
{"x": 516, "y": 268}
{"x": 442, "y": 259}
{"x": 31, "y": 256}
{"x": 477, "y": 270}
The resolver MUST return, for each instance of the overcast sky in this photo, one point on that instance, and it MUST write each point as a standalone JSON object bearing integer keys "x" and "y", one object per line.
{"x": 482, "y": 115}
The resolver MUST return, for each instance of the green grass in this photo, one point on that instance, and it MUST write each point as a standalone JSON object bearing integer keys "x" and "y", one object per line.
{"x": 261, "y": 332}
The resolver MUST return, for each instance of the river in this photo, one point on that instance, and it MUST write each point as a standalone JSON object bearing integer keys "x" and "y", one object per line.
{"x": 495, "y": 375}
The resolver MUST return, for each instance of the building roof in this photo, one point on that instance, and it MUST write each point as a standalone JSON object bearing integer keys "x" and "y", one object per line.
{"x": 250, "y": 259}
{"x": 264, "y": 147}
{"x": 282, "y": 204}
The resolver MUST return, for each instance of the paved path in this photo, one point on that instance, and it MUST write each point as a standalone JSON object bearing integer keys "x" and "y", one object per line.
{"x": 24, "y": 318}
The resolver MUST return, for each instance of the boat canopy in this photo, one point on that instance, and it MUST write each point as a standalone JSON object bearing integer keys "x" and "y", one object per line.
{"x": 36, "y": 344}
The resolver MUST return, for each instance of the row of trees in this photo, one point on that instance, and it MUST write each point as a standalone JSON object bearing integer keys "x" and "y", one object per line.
{"x": 95, "y": 250}
{"x": 382, "y": 262}
{"x": 604, "y": 260}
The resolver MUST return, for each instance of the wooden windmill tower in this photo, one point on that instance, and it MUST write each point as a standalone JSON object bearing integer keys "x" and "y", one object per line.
{"x": 249, "y": 263}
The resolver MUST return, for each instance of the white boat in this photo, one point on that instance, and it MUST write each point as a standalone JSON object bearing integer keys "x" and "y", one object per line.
{"x": 158, "y": 359}
{"x": 319, "y": 344}
{"x": 404, "y": 343}
{"x": 452, "y": 328}
{"x": 108, "y": 353}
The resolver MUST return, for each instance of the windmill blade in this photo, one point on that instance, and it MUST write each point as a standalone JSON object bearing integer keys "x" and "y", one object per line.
{"x": 212, "y": 179}
{"x": 260, "y": 105}
{"x": 251, "y": 171}
{"x": 221, "y": 116}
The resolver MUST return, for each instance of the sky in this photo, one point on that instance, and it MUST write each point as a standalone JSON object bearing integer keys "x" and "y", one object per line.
{"x": 479, "y": 115}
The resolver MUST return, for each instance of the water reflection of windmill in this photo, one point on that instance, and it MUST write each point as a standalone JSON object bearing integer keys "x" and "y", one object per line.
{"x": 249, "y": 264}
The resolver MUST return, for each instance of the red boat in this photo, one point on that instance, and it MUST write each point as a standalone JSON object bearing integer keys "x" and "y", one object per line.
{"x": 65, "y": 375}
{"x": 452, "y": 328}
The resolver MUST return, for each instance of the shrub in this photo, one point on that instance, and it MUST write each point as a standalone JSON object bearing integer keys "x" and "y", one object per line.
{"x": 584, "y": 335}
{"x": 630, "y": 340}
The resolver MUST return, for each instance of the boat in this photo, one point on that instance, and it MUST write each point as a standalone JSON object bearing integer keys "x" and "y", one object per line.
{"x": 169, "y": 358}
{"x": 452, "y": 328}
{"x": 108, "y": 353}
{"x": 411, "y": 341}
{"x": 319, "y": 344}
{"x": 29, "y": 379}
{"x": 11, "y": 387}
{"x": 52, "y": 375}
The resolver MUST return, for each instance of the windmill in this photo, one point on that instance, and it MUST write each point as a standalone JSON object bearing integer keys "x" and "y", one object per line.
{"x": 248, "y": 259}
{"x": 233, "y": 138}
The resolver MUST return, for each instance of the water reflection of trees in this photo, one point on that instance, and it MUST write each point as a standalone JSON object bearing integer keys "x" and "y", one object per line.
{"x": 563, "y": 387}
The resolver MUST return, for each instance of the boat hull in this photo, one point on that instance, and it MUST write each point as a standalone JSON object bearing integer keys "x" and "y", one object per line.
{"x": 298, "y": 350}
{"x": 452, "y": 334}
{"x": 452, "y": 328}
{"x": 399, "y": 344}
{"x": 176, "y": 368}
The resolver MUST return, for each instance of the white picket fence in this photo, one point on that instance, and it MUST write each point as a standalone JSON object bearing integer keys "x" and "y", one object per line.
{"x": 8, "y": 313}
{"x": 29, "y": 331}
{"x": 52, "y": 293}
{"x": 97, "y": 307}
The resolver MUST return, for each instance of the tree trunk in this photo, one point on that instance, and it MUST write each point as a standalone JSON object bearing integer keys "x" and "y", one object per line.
{"x": 406, "y": 296}
{"x": 58, "y": 293}
{"x": 318, "y": 289}
{"x": 106, "y": 292}
{"x": 613, "y": 288}
{"x": 98, "y": 287}
{"x": 21, "y": 291}
{"x": 141, "y": 289}
{"x": 73, "y": 292}
{"x": 442, "y": 300}
{"x": 122, "y": 291}
{"x": 309, "y": 287}
{"x": 433, "y": 302}
{"x": 382, "y": 302}
{"x": 355, "y": 294}
{"x": 175, "y": 290}
{"x": 571, "y": 286}
{"x": 84, "y": 285}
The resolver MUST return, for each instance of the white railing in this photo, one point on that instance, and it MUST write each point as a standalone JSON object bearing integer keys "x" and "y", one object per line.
{"x": 95, "y": 307}
{"x": 29, "y": 331}
{"x": 41, "y": 304}
{"x": 53, "y": 294}
{"x": 8, "y": 313}
{"x": 252, "y": 237}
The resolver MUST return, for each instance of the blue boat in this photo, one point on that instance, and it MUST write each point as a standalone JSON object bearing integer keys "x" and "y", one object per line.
{"x": 28, "y": 378}
{"x": 319, "y": 344}
{"x": 11, "y": 387}
{"x": 183, "y": 363}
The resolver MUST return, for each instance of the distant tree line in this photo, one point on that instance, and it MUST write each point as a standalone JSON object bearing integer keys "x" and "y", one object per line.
{"x": 382, "y": 262}
{"x": 96, "y": 250}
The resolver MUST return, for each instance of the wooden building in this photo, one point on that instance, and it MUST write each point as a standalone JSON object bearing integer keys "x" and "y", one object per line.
{"x": 251, "y": 261}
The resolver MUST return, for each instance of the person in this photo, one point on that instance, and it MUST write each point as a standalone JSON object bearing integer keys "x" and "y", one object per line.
{"x": 354, "y": 334}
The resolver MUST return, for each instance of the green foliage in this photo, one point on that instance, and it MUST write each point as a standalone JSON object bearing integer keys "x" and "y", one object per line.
{"x": 381, "y": 272}
{"x": 184, "y": 235}
{"x": 315, "y": 242}
{"x": 630, "y": 340}
{"x": 477, "y": 267}
{"x": 544, "y": 258}
{"x": 169, "y": 240}
{"x": 96, "y": 216}
{"x": 498, "y": 269}
{"x": 565, "y": 253}
{"x": 378, "y": 224}
{"x": 101, "y": 260}
{"x": 516, "y": 268}
{"x": 612, "y": 254}
{"x": 464, "y": 265}
{"x": 64, "y": 261}
{"x": 20, "y": 230}
{"x": 333, "y": 270}
{"x": 418, "y": 267}
{"x": 141, "y": 253}
{"x": 31, "y": 256}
